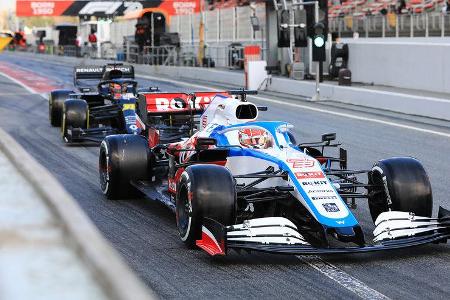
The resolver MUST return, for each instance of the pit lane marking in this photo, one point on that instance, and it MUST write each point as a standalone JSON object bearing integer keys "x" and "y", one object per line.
{"x": 18, "y": 83}
{"x": 320, "y": 110}
{"x": 32, "y": 82}
{"x": 342, "y": 278}
{"x": 15, "y": 94}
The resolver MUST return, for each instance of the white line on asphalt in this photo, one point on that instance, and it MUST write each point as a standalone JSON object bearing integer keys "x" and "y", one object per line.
{"x": 19, "y": 83}
{"x": 343, "y": 279}
{"x": 15, "y": 94}
{"x": 381, "y": 92}
{"x": 32, "y": 91}
{"x": 320, "y": 110}
{"x": 350, "y": 116}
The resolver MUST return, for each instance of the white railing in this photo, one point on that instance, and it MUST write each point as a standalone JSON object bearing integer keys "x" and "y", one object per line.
{"x": 220, "y": 25}
{"x": 405, "y": 25}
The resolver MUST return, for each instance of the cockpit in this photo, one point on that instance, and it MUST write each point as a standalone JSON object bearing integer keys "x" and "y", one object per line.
{"x": 255, "y": 138}
{"x": 256, "y": 135}
{"x": 116, "y": 89}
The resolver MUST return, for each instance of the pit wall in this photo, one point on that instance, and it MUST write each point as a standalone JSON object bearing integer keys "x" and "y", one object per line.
{"x": 412, "y": 63}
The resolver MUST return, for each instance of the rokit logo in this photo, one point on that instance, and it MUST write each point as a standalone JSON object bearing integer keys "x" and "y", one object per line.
{"x": 164, "y": 104}
{"x": 314, "y": 183}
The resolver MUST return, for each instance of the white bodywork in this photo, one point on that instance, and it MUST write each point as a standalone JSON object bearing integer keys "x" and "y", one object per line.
{"x": 397, "y": 224}
{"x": 280, "y": 230}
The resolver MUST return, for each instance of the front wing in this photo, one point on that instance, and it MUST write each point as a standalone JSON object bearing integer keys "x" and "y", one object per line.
{"x": 95, "y": 135}
{"x": 394, "y": 230}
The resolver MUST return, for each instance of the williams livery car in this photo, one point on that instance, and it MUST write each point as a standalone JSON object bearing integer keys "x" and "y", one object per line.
{"x": 238, "y": 183}
{"x": 104, "y": 104}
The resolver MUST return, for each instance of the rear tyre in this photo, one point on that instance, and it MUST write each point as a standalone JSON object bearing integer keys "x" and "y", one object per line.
{"x": 123, "y": 157}
{"x": 204, "y": 191}
{"x": 404, "y": 187}
{"x": 55, "y": 106}
{"x": 75, "y": 115}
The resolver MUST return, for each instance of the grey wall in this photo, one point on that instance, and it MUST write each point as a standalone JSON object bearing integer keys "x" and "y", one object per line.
{"x": 407, "y": 63}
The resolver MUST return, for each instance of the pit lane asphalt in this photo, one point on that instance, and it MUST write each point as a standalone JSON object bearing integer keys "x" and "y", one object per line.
{"x": 144, "y": 232}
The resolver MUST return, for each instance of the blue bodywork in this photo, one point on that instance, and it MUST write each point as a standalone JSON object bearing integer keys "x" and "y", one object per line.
{"x": 272, "y": 126}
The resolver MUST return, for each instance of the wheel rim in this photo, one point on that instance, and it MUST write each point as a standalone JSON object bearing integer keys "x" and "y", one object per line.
{"x": 184, "y": 214}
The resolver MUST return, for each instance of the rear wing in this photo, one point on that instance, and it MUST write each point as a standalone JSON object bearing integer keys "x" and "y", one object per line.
{"x": 97, "y": 72}
{"x": 158, "y": 104}
{"x": 127, "y": 70}
{"x": 88, "y": 72}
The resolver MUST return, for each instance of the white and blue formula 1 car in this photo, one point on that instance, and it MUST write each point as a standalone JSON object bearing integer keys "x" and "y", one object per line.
{"x": 238, "y": 183}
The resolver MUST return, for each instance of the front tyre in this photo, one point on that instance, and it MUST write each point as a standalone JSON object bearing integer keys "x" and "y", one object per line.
{"x": 55, "y": 106}
{"x": 75, "y": 115}
{"x": 204, "y": 191}
{"x": 123, "y": 158}
{"x": 402, "y": 184}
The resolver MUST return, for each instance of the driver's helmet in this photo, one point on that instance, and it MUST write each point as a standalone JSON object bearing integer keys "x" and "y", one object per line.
{"x": 255, "y": 138}
{"x": 115, "y": 89}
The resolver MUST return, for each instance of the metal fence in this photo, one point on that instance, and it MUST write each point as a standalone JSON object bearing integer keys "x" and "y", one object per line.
{"x": 221, "y": 25}
{"x": 392, "y": 25}
{"x": 188, "y": 55}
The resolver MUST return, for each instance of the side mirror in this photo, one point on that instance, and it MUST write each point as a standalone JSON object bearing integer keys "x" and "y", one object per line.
{"x": 328, "y": 137}
{"x": 204, "y": 143}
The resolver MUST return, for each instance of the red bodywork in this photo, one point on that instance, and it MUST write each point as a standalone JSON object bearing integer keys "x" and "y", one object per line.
{"x": 174, "y": 103}
{"x": 210, "y": 244}
{"x": 178, "y": 102}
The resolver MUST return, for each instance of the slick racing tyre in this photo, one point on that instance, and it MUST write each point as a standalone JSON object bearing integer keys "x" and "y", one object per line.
{"x": 55, "y": 106}
{"x": 204, "y": 191}
{"x": 75, "y": 114}
{"x": 401, "y": 185}
{"x": 123, "y": 157}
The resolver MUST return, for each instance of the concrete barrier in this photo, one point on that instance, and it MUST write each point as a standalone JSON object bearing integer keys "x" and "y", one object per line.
{"x": 403, "y": 62}
{"x": 107, "y": 270}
